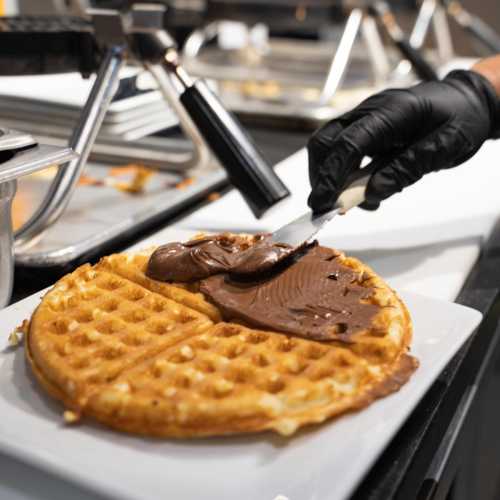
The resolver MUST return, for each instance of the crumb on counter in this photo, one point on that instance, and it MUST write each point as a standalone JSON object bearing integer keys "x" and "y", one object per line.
{"x": 87, "y": 180}
{"x": 14, "y": 339}
{"x": 141, "y": 176}
{"x": 135, "y": 178}
{"x": 188, "y": 181}
{"x": 16, "y": 336}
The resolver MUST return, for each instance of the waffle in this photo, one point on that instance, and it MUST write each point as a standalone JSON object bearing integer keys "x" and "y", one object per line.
{"x": 156, "y": 359}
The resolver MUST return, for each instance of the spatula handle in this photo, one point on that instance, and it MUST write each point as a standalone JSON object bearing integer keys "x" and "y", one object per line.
{"x": 354, "y": 194}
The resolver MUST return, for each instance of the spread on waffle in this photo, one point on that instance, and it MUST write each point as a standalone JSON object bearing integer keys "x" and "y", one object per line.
{"x": 162, "y": 358}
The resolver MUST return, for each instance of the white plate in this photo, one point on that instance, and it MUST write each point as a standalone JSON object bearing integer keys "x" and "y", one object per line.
{"x": 326, "y": 462}
{"x": 446, "y": 206}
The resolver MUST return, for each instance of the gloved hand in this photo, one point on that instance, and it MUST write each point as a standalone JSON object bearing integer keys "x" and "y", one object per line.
{"x": 407, "y": 133}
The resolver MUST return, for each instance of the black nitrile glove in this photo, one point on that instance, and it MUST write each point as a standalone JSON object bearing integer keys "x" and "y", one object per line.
{"x": 407, "y": 133}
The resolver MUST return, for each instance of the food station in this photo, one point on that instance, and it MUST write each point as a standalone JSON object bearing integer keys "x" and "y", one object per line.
{"x": 128, "y": 125}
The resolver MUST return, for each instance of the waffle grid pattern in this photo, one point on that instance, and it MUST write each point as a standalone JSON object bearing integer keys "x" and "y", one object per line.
{"x": 154, "y": 358}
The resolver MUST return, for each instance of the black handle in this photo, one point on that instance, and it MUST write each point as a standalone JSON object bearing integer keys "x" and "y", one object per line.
{"x": 421, "y": 67}
{"x": 246, "y": 168}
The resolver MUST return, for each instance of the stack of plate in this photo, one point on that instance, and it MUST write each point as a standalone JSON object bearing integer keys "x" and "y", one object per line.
{"x": 48, "y": 107}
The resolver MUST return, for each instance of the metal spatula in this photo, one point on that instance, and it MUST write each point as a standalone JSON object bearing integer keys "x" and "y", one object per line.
{"x": 303, "y": 229}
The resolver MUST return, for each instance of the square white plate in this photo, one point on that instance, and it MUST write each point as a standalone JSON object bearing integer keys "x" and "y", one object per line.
{"x": 429, "y": 212}
{"x": 326, "y": 462}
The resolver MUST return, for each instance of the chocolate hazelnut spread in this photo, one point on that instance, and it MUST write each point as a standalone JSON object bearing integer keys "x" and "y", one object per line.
{"x": 316, "y": 296}
{"x": 201, "y": 258}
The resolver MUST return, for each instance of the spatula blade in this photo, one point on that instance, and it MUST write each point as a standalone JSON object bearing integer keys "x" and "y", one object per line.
{"x": 302, "y": 229}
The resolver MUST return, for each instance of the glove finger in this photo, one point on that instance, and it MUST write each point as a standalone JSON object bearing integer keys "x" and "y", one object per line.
{"x": 442, "y": 149}
{"x": 328, "y": 177}
{"x": 320, "y": 143}
{"x": 370, "y": 206}
{"x": 369, "y": 136}
{"x": 328, "y": 180}
{"x": 319, "y": 147}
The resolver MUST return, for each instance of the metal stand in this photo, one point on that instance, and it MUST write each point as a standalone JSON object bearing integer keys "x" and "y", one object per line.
{"x": 441, "y": 29}
{"x": 201, "y": 157}
{"x": 378, "y": 55}
{"x": 138, "y": 36}
{"x": 83, "y": 138}
{"x": 7, "y": 192}
{"x": 341, "y": 58}
{"x": 431, "y": 15}
{"x": 23, "y": 163}
{"x": 110, "y": 29}
{"x": 357, "y": 24}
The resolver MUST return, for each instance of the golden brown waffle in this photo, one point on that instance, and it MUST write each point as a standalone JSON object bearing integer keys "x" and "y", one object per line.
{"x": 155, "y": 358}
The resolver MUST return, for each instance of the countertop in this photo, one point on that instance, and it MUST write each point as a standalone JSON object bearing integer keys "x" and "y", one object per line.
{"x": 426, "y": 240}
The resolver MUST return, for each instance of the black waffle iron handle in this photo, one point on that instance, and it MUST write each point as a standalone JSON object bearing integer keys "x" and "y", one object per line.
{"x": 234, "y": 149}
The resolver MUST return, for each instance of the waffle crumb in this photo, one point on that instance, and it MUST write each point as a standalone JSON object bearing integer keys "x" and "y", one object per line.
{"x": 70, "y": 417}
{"x": 286, "y": 427}
{"x": 17, "y": 335}
{"x": 14, "y": 339}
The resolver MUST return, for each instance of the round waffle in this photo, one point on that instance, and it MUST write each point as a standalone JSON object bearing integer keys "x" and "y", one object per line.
{"x": 156, "y": 359}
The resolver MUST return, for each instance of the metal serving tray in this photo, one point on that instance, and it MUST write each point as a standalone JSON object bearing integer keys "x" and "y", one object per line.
{"x": 99, "y": 215}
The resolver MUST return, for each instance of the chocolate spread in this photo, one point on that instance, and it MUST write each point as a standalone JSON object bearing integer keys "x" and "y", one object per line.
{"x": 198, "y": 259}
{"x": 315, "y": 297}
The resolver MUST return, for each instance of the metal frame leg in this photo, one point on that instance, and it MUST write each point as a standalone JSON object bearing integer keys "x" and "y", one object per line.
{"x": 423, "y": 23}
{"x": 201, "y": 156}
{"x": 199, "y": 38}
{"x": 340, "y": 60}
{"x": 64, "y": 184}
{"x": 378, "y": 55}
{"x": 441, "y": 29}
{"x": 419, "y": 33}
{"x": 431, "y": 15}
{"x": 7, "y": 192}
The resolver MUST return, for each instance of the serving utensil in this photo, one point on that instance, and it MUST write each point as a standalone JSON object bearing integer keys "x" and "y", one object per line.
{"x": 302, "y": 230}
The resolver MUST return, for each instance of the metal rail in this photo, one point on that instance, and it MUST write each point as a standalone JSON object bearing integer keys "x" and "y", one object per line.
{"x": 22, "y": 163}
{"x": 7, "y": 192}
{"x": 357, "y": 23}
{"x": 340, "y": 60}
{"x": 64, "y": 184}
{"x": 201, "y": 157}
{"x": 140, "y": 38}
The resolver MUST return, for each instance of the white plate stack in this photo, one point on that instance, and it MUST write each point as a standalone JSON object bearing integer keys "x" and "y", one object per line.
{"x": 49, "y": 106}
